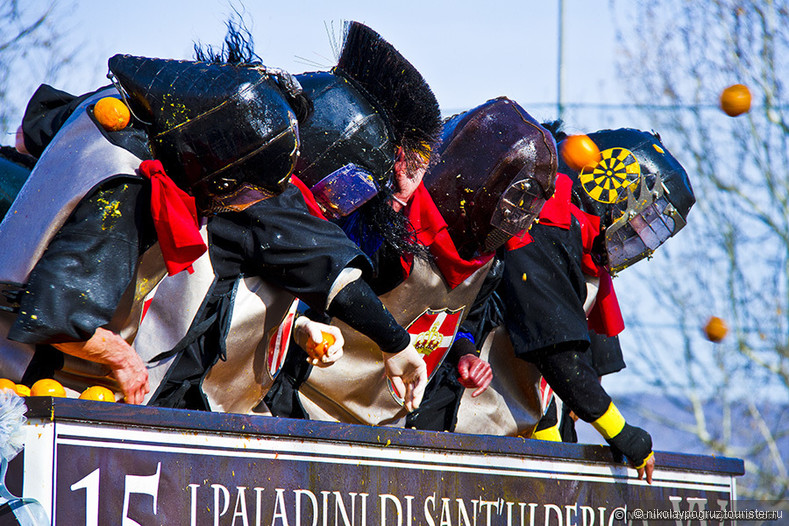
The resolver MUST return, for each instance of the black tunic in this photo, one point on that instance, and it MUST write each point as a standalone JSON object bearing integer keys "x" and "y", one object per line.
{"x": 276, "y": 239}
{"x": 544, "y": 289}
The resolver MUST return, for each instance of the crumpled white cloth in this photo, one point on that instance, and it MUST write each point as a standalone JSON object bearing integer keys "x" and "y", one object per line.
{"x": 12, "y": 418}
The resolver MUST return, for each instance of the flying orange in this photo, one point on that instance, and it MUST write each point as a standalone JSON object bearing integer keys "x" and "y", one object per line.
{"x": 579, "y": 151}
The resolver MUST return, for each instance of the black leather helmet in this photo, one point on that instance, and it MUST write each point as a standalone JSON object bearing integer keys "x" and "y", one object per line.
{"x": 226, "y": 133}
{"x": 496, "y": 167}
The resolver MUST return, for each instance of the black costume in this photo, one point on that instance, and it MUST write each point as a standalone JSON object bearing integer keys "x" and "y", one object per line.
{"x": 498, "y": 158}
{"x": 273, "y": 248}
{"x": 544, "y": 291}
{"x": 280, "y": 241}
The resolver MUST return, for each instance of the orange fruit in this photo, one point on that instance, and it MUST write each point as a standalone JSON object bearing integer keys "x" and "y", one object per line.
{"x": 715, "y": 329}
{"x": 22, "y": 390}
{"x": 579, "y": 151}
{"x": 47, "y": 387}
{"x": 97, "y": 392}
{"x": 736, "y": 100}
{"x": 5, "y": 383}
{"x": 112, "y": 114}
{"x": 320, "y": 349}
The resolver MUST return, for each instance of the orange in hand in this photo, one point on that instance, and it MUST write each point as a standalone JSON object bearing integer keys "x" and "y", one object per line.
{"x": 579, "y": 151}
{"x": 112, "y": 114}
{"x": 97, "y": 392}
{"x": 318, "y": 350}
{"x": 47, "y": 387}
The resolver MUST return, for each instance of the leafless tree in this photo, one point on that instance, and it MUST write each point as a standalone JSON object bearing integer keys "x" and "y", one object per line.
{"x": 732, "y": 259}
{"x": 31, "y": 50}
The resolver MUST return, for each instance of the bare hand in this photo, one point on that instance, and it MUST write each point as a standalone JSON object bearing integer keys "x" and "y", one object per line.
{"x": 20, "y": 141}
{"x": 647, "y": 470}
{"x": 474, "y": 373}
{"x": 106, "y": 347}
{"x": 408, "y": 373}
{"x": 323, "y": 343}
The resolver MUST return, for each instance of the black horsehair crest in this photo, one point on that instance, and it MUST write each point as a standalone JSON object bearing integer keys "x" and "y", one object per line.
{"x": 401, "y": 91}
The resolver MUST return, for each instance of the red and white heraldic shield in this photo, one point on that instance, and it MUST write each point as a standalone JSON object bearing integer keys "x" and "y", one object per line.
{"x": 279, "y": 341}
{"x": 432, "y": 334}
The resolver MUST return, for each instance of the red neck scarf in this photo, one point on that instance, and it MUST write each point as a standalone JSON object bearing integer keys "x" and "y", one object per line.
{"x": 175, "y": 219}
{"x": 312, "y": 203}
{"x": 605, "y": 317}
{"x": 431, "y": 231}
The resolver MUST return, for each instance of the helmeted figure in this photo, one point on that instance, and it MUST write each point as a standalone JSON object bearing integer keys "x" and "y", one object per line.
{"x": 102, "y": 214}
{"x": 226, "y": 177}
{"x": 545, "y": 289}
{"x": 496, "y": 153}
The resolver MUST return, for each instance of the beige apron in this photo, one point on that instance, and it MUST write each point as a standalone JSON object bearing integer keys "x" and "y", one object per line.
{"x": 238, "y": 384}
{"x": 354, "y": 390}
{"x": 511, "y": 404}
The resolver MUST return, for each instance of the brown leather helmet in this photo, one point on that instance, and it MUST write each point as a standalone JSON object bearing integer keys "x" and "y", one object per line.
{"x": 496, "y": 167}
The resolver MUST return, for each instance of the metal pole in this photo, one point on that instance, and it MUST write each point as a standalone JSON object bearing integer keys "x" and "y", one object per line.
{"x": 560, "y": 61}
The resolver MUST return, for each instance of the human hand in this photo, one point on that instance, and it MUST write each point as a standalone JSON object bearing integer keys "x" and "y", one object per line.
{"x": 474, "y": 373}
{"x": 20, "y": 141}
{"x": 128, "y": 369}
{"x": 408, "y": 176}
{"x": 408, "y": 373}
{"x": 647, "y": 469}
{"x": 126, "y": 365}
{"x": 323, "y": 343}
{"x": 635, "y": 444}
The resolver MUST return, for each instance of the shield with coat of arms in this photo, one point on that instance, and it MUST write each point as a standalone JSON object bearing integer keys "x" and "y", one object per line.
{"x": 432, "y": 334}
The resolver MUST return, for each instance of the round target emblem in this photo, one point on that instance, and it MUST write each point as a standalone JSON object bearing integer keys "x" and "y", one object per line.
{"x": 609, "y": 180}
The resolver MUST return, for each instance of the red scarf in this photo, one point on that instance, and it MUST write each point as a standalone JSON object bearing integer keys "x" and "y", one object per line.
{"x": 175, "y": 219}
{"x": 431, "y": 231}
{"x": 312, "y": 204}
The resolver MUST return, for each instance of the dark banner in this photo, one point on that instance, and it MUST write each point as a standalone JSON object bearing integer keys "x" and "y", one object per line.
{"x": 128, "y": 477}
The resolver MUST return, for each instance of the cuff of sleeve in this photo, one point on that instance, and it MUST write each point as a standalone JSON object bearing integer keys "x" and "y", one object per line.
{"x": 644, "y": 463}
{"x": 611, "y": 423}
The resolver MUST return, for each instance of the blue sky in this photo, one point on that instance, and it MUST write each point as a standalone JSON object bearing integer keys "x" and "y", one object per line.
{"x": 468, "y": 51}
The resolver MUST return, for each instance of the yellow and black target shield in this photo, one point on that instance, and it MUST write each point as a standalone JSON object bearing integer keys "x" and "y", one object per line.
{"x": 609, "y": 179}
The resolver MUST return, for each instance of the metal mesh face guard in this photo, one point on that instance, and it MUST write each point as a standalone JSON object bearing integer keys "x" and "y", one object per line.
{"x": 518, "y": 207}
{"x": 645, "y": 225}
{"x": 638, "y": 189}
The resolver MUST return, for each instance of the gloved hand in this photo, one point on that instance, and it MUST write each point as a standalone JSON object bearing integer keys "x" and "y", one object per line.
{"x": 633, "y": 442}
{"x": 323, "y": 343}
{"x": 474, "y": 373}
{"x": 636, "y": 444}
{"x": 408, "y": 373}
